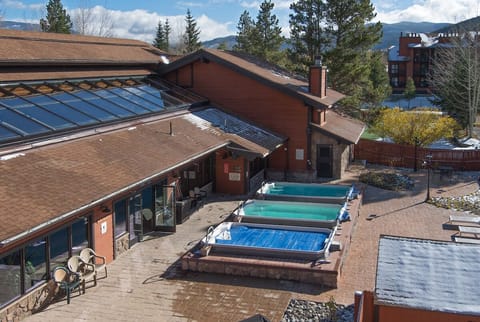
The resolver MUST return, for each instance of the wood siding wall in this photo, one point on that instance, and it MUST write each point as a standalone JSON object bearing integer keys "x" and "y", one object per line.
{"x": 252, "y": 100}
{"x": 398, "y": 155}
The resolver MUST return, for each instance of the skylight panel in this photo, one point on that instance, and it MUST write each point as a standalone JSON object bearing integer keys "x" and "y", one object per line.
{"x": 136, "y": 98}
{"x": 62, "y": 110}
{"x": 108, "y": 106}
{"x": 36, "y": 113}
{"x": 85, "y": 107}
{"x": 20, "y": 123}
{"x": 6, "y": 134}
{"x": 122, "y": 102}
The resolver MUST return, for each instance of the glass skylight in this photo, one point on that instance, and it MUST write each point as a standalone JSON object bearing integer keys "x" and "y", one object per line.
{"x": 39, "y": 115}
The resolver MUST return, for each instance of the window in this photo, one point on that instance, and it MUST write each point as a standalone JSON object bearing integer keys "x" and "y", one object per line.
{"x": 120, "y": 210}
{"x": 10, "y": 277}
{"x": 79, "y": 235}
{"x": 35, "y": 263}
{"x": 394, "y": 81}
{"x": 59, "y": 249}
{"x": 394, "y": 69}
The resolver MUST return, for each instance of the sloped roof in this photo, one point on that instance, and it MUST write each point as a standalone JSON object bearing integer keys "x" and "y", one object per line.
{"x": 40, "y": 48}
{"x": 429, "y": 275}
{"x": 44, "y": 74}
{"x": 261, "y": 71}
{"x": 252, "y": 138}
{"x": 342, "y": 127}
{"x": 58, "y": 179}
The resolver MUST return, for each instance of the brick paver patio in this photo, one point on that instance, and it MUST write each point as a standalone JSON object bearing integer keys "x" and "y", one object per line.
{"x": 147, "y": 284}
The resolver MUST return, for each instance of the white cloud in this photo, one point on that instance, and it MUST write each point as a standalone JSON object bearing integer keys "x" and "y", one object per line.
{"x": 250, "y": 5}
{"x": 210, "y": 29}
{"x": 142, "y": 25}
{"x": 19, "y": 5}
{"x": 431, "y": 11}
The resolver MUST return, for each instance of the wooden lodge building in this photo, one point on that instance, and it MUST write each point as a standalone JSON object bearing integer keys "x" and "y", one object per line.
{"x": 103, "y": 141}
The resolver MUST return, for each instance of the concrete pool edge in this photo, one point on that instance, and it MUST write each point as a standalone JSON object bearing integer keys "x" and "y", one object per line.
{"x": 321, "y": 273}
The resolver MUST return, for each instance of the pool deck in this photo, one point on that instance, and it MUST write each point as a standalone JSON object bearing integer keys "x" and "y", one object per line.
{"x": 148, "y": 284}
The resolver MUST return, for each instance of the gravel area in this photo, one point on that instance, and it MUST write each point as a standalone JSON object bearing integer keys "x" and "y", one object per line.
{"x": 300, "y": 310}
{"x": 469, "y": 203}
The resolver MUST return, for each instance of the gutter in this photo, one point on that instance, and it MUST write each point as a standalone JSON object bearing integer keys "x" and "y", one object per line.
{"x": 72, "y": 213}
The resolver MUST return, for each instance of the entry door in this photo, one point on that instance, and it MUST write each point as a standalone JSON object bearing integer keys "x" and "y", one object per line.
{"x": 135, "y": 219}
{"x": 165, "y": 207}
{"x": 324, "y": 161}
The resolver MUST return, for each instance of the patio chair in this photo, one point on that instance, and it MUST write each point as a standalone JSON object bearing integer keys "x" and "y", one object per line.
{"x": 84, "y": 270}
{"x": 66, "y": 281}
{"x": 99, "y": 262}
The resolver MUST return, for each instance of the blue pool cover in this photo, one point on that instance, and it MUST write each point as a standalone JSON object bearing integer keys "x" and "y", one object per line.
{"x": 274, "y": 238}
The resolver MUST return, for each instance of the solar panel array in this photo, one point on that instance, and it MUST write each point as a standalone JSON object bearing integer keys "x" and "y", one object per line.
{"x": 31, "y": 116}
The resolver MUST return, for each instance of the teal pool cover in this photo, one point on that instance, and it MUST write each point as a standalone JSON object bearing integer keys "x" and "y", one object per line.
{"x": 311, "y": 190}
{"x": 292, "y": 210}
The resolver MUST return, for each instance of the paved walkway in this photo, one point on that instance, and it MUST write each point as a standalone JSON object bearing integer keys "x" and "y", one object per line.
{"x": 147, "y": 284}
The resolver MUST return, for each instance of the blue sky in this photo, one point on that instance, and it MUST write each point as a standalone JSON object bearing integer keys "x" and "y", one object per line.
{"x": 138, "y": 19}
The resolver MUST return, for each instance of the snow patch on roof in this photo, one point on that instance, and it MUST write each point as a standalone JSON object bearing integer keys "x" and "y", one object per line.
{"x": 11, "y": 156}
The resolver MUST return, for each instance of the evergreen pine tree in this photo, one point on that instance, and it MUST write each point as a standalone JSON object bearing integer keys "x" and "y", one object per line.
{"x": 168, "y": 31}
{"x": 378, "y": 88}
{"x": 160, "y": 40}
{"x": 351, "y": 36}
{"x": 192, "y": 33}
{"x": 57, "y": 19}
{"x": 307, "y": 38}
{"x": 410, "y": 90}
{"x": 245, "y": 28}
{"x": 267, "y": 35}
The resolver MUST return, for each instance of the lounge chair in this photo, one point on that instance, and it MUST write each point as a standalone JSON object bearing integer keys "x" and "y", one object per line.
{"x": 465, "y": 240}
{"x": 472, "y": 220}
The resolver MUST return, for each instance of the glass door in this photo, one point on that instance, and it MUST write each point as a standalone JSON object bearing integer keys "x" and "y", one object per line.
{"x": 165, "y": 207}
{"x": 135, "y": 219}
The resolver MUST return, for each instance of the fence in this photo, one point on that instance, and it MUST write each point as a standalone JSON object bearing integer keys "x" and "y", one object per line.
{"x": 409, "y": 156}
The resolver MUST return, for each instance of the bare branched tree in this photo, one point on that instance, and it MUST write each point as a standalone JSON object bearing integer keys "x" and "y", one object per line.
{"x": 178, "y": 33}
{"x": 455, "y": 78}
{"x": 94, "y": 21}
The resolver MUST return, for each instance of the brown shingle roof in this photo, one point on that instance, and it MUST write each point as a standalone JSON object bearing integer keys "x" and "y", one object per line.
{"x": 261, "y": 71}
{"x": 41, "y": 184}
{"x": 341, "y": 127}
{"x": 39, "y": 75}
{"x": 22, "y": 47}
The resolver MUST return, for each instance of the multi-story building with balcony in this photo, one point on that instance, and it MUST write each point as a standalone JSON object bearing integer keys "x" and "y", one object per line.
{"x": 413, "y": 58}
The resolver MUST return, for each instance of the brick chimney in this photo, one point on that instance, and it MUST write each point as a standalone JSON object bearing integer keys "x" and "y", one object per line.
{"x": 318, "y": 78}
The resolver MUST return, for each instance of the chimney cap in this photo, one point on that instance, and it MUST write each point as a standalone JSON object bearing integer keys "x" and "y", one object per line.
{"x": 318, "y": 60}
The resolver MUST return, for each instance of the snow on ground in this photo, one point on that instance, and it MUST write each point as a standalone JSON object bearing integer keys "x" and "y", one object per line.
{"x": 470, "y": 144}
{"x": 418, "y": 101}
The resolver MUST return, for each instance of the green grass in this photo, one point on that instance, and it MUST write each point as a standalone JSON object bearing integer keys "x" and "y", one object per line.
{"x": 369, "y": 135}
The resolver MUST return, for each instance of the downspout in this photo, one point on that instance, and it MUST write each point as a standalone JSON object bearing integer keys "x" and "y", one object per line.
{"x": 309, "y": 138}
{"x": 105, "y": 198}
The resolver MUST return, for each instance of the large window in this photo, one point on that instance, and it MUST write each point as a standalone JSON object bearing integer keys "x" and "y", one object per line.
{"x": 10, "y": 277}
{"x": 29, "y": 266}
{"x": 35, "y": 263}
{"x": 59, "y": 247}
{"x": 79, "y": 235}
{"x": 120, "y": 209}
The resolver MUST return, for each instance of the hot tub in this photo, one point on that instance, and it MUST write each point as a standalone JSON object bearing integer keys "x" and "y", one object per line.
{"x": 308, "y": 214}
{"x": 306, "y": 192}
{"x": 307, "y": 243}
